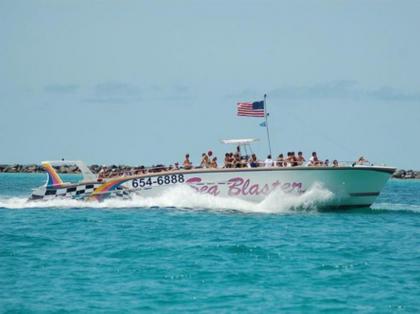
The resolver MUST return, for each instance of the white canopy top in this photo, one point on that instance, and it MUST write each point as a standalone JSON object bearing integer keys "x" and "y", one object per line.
{"x": 244, "y": 141}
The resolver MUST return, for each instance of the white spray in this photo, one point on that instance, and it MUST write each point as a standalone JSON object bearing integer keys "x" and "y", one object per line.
{"x": 185, "y": 197}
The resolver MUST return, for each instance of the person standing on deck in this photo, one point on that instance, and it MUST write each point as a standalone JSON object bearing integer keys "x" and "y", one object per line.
{"x": 269, "y": 162}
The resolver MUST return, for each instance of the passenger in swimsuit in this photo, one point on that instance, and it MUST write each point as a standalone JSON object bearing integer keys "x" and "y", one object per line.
{"x": 294, "y": 159}
{"x": 253, "y": 162}
{"x": 314, "y": 161}
{"x": 280, "y": 161}
{"x": 237, "y": 161}
{"x": 227, "y": 163}
{"x": 204, "y": 161}
{"x": 213, "y": 163}
{"x": 289, "y": 159}
{"x": 362, "y": 160}
{"x": 101, "y": 173}
{"x": 231, "y": 159}
{"x": 300, "y": 159}
{"x": 187, "y": 163}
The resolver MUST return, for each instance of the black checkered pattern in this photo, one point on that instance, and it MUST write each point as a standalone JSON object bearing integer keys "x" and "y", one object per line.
{"x": 78, "y": 191}
{"x": 75, "y": 191}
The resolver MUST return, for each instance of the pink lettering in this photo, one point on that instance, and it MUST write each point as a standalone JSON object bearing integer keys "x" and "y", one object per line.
{"x": 213, "y": 190}
{"x": 275, "y": 184}
{"x": 285, "y": 186}
{"x": 297, "y": 186}
{"x": 204, "y": 188}
{"x": 234, "y": 186}
{"x": 244, "y": 187}
{"x": 253, "y": 190}
{"x": 265, "y": 190}
{"x": 240, "y": 186}
{"x": 193, "y": 180}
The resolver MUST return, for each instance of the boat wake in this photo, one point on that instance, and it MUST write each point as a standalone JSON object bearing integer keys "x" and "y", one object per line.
{"x": 183, "y": 197}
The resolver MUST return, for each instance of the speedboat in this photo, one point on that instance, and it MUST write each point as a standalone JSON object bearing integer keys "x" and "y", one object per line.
{"x": 351, "y": 185}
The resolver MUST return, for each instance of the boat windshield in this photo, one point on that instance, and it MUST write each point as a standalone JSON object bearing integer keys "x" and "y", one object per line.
{"x": 88, "y": 176}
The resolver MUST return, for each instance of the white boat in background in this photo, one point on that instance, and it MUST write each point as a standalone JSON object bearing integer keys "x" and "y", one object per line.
{"x": 351, "y": 185}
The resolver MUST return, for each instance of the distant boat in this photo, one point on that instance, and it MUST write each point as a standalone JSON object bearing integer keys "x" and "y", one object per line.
{"x": 351, "y": 185}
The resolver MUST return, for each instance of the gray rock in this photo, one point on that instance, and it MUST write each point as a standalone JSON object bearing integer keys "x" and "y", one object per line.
{"x": 399, "y": 174}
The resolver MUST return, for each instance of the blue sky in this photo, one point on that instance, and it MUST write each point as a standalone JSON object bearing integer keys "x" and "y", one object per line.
{"x": 143, "y": 82}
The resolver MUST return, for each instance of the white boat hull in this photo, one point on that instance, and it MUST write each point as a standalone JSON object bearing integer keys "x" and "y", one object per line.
{"x": 350, "y": 186}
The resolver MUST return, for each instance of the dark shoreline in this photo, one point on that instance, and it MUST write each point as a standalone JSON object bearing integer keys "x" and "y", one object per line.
{"x": 34, "y": 168}
{"x": 72, "y": 169}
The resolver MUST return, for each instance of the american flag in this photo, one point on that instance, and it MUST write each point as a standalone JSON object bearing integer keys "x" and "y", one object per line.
{"x": 251, "y": 109}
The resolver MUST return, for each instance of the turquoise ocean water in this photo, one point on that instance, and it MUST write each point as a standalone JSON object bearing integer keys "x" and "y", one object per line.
{"x": 207, "y": 256}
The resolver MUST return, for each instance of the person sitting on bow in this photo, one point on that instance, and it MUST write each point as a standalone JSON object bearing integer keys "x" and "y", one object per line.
{"x": 362, "y": 160}
{"x": 314, "y": 161}
{"x": 204, "y": 161}
{"x": 187, "y": 163}
{"x": 213, "y": 163}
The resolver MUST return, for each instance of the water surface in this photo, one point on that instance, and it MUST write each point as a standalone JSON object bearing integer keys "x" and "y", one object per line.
{"x": 119, "y": 257}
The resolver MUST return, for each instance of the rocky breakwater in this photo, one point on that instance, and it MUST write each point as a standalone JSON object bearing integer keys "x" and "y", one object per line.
{"x": 406, "y": 174}
{"x": 33, "y": 168}
{"x": 16, "y": 168}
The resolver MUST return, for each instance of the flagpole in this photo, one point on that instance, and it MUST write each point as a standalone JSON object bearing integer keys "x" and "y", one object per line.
{"x": 266, "y": 123}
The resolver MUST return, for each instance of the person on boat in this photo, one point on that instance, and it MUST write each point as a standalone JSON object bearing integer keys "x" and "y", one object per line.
{"x": 294, "y": 159}
{"x": 335, "y": 163}
{"x": 187, "y": 163}
{"x": 326, "y": 163}
{"x": 244, "y": 160}
{"x": 176, "y": 166}
{"x": 204, "y": 161}
{"x": 101, "y": 173}
{"x": 287, "y": 161}
{"x": 300, "y": 159}
{"x": 314, "y": 161}
{"x": 232, "y": 160}
{"x": 280, "y": 161}
{"x": 253, "y": 162}
{"x": 213, "y": 163}
{"x": 237, "y": 161}
{"x": 227, "y": 163}
{"x": 362, "y": 160}
{"x": 269, "y": 162}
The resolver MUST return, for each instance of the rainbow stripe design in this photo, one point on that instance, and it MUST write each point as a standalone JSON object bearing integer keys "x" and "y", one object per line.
{"x": 103, "y": 191}
{"x": 53, "y": 178}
